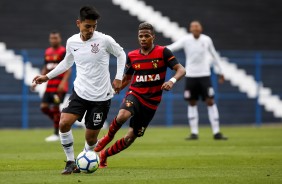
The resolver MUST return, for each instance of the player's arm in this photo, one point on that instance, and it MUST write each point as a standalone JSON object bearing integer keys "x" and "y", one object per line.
{"x": 114, "y": 48}
{"x": 176, "y": 66}
{"x": 65, "y": 79}
{"x": 128, "y": 72}
{"x": 216, "y": 60}
{"x": 179, "y": 44}
{"x": 63, "y": 66}
{"x": 44, "y": 71}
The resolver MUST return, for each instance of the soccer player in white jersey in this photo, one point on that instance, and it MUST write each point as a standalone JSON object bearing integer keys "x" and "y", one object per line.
{"x": 198, "y": 48}
{"x": 90, "y": 50}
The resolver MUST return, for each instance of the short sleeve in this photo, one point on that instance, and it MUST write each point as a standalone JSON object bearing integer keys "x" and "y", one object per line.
{"x": 169, "y": 58}
{"x": 128, "y": 70}
{"x": 113, "y": 47}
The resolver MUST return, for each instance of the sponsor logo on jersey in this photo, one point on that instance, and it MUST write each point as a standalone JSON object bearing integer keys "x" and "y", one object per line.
{"x": 95, "y": 48}
{"x": 148, "y": 78}
{"x": 97, "y": 118}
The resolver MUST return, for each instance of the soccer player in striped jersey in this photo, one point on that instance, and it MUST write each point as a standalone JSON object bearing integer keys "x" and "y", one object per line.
{"x": 145, "y": 70}
{"x": 57, "y": 87}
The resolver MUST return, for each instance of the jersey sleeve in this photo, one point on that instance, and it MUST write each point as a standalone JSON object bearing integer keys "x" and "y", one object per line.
{"x": 114, "y": 48}
{"x": 179, "y": 44}
{"x": 169, "y": 58}
{"x": 215, "y": 55}
{"x": 128, "y": 70}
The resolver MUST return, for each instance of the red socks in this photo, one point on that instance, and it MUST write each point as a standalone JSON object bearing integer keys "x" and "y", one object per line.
{"x": 116, "y": 148}
{"x": 114, "y": 127}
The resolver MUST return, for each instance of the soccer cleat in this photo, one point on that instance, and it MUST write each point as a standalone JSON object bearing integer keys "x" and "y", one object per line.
{"x": 219, "y": 136}
{"x": 193, "y": 137}
{"x": 52, "y": 138}
{"x": 70, "y": 167}
{"x": 103, "y": 159}
{"x": 102, "y": 143}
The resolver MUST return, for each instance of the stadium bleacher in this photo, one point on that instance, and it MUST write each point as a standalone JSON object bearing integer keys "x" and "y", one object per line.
{"x": 234, "y": 107}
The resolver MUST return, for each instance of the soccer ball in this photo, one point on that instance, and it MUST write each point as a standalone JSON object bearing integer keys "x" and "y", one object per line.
{"x": 88, "y": 162}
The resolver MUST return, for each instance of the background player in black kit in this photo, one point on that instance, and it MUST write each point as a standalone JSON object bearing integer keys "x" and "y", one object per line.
{"x": 146, "y": 70}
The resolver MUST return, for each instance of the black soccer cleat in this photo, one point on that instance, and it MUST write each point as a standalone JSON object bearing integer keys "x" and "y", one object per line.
{"x": 70, "y": 168}
{"x": 192, "y": 137}
{"x": 219, "y": 136}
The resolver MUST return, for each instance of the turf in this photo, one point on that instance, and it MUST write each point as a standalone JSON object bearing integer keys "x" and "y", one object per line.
{"x": 251, "y": 155}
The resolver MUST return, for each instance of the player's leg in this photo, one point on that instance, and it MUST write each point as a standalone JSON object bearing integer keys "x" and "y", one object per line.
{"x": 117, "y": 147}
{"x": 57, "y": 99}
{"x": 126, "y": 111}
{"x": 66, "y": 137}
{"x": 73, "y": 110}
{"x": 191, "y": 94}
{"x": 118, "y": 121}
{"x": 138, "y": 124}
{"x": 208, "y": 97}
{"x": 94, "y": 120}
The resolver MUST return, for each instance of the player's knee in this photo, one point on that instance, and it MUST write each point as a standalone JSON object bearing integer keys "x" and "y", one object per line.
{"x": 209, "y": 101}
{"x": 45, "y": 109}
{"x": 123, "y": 116}
{"x": 64, "y": 124}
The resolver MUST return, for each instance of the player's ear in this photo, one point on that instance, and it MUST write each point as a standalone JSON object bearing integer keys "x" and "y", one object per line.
{"x": 78, "y": 22}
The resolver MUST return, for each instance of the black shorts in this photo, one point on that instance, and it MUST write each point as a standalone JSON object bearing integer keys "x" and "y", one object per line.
{"x": 198, "y": 87}
{"x": 96, "y": 114}
{"x": 141, "y": 114}
{"x": 53, "y": 98}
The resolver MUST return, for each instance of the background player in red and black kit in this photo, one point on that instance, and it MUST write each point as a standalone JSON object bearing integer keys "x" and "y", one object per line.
{"x": 146, "y": 70}
{"x": 56, "y": 87}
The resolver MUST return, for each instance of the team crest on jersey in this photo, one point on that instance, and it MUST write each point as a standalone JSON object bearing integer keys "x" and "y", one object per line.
{"x": 155, "y": 63}
{"x": 128, "y": 103}
{"x": 148, "y": 78}
{"x": 95, "y": 48}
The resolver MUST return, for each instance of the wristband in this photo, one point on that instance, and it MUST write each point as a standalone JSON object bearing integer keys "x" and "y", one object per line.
{"x": 173, "y": 80}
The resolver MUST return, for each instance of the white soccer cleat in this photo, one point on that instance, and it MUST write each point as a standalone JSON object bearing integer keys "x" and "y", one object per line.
{"x": 52, "y": 138}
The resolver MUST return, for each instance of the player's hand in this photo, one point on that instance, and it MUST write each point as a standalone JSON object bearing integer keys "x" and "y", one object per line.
{"x": 33, "y": 86}
{"x": 39, "y": 79}
{"x": 221, "y": 79}
{"x": 167, "y": 86}
{"x": 117, "y": 85}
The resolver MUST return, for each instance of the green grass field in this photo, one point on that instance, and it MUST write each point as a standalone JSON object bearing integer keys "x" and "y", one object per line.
{"x": 251, "y": 155}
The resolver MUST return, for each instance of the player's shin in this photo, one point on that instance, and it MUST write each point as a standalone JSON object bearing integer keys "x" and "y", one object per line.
{"x": 117, "y": 147}
{"x": 67, "y": 143}
{"x": 214, "y": 118}
{"x": 193, "y": 118}
{"x": 114, "y": 127}
{"x": 56, "y": 119}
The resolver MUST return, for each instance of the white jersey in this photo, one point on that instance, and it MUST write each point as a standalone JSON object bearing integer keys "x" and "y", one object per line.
{"x": 92, "y": 58}
{"x": 198, "y": 52}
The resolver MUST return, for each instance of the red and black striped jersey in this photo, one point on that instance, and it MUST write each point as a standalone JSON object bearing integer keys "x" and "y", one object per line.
{"x": 149, "y": 73}
{"x": 52, "y": 58}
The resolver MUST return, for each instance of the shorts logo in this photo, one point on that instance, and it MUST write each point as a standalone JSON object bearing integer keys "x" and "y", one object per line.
{"x": 95, "y": 48}
{"x": 187, "y": 94}
{"x": 210, "y": 92}
{"x": 141, "y": 131}
{"x": 128, "y": 103}
{"x": 97, "y": 118}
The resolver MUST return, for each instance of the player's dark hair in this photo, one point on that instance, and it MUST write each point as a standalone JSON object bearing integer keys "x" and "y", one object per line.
{"x": 196, "y": 21}
{"x": 55, "y": 32}
{"x": 88, "y": 12}
{"x": 146, "y": 25}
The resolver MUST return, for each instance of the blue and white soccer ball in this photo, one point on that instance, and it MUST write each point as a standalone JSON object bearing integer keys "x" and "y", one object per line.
{"x": 88, "y": 162}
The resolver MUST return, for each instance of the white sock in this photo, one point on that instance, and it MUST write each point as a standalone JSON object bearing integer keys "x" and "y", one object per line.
{"x": 193, "y": 118}
{"x": 214, "y": 118}
{"x": 89, "y": 148}
{"x": 67, "y": 143}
